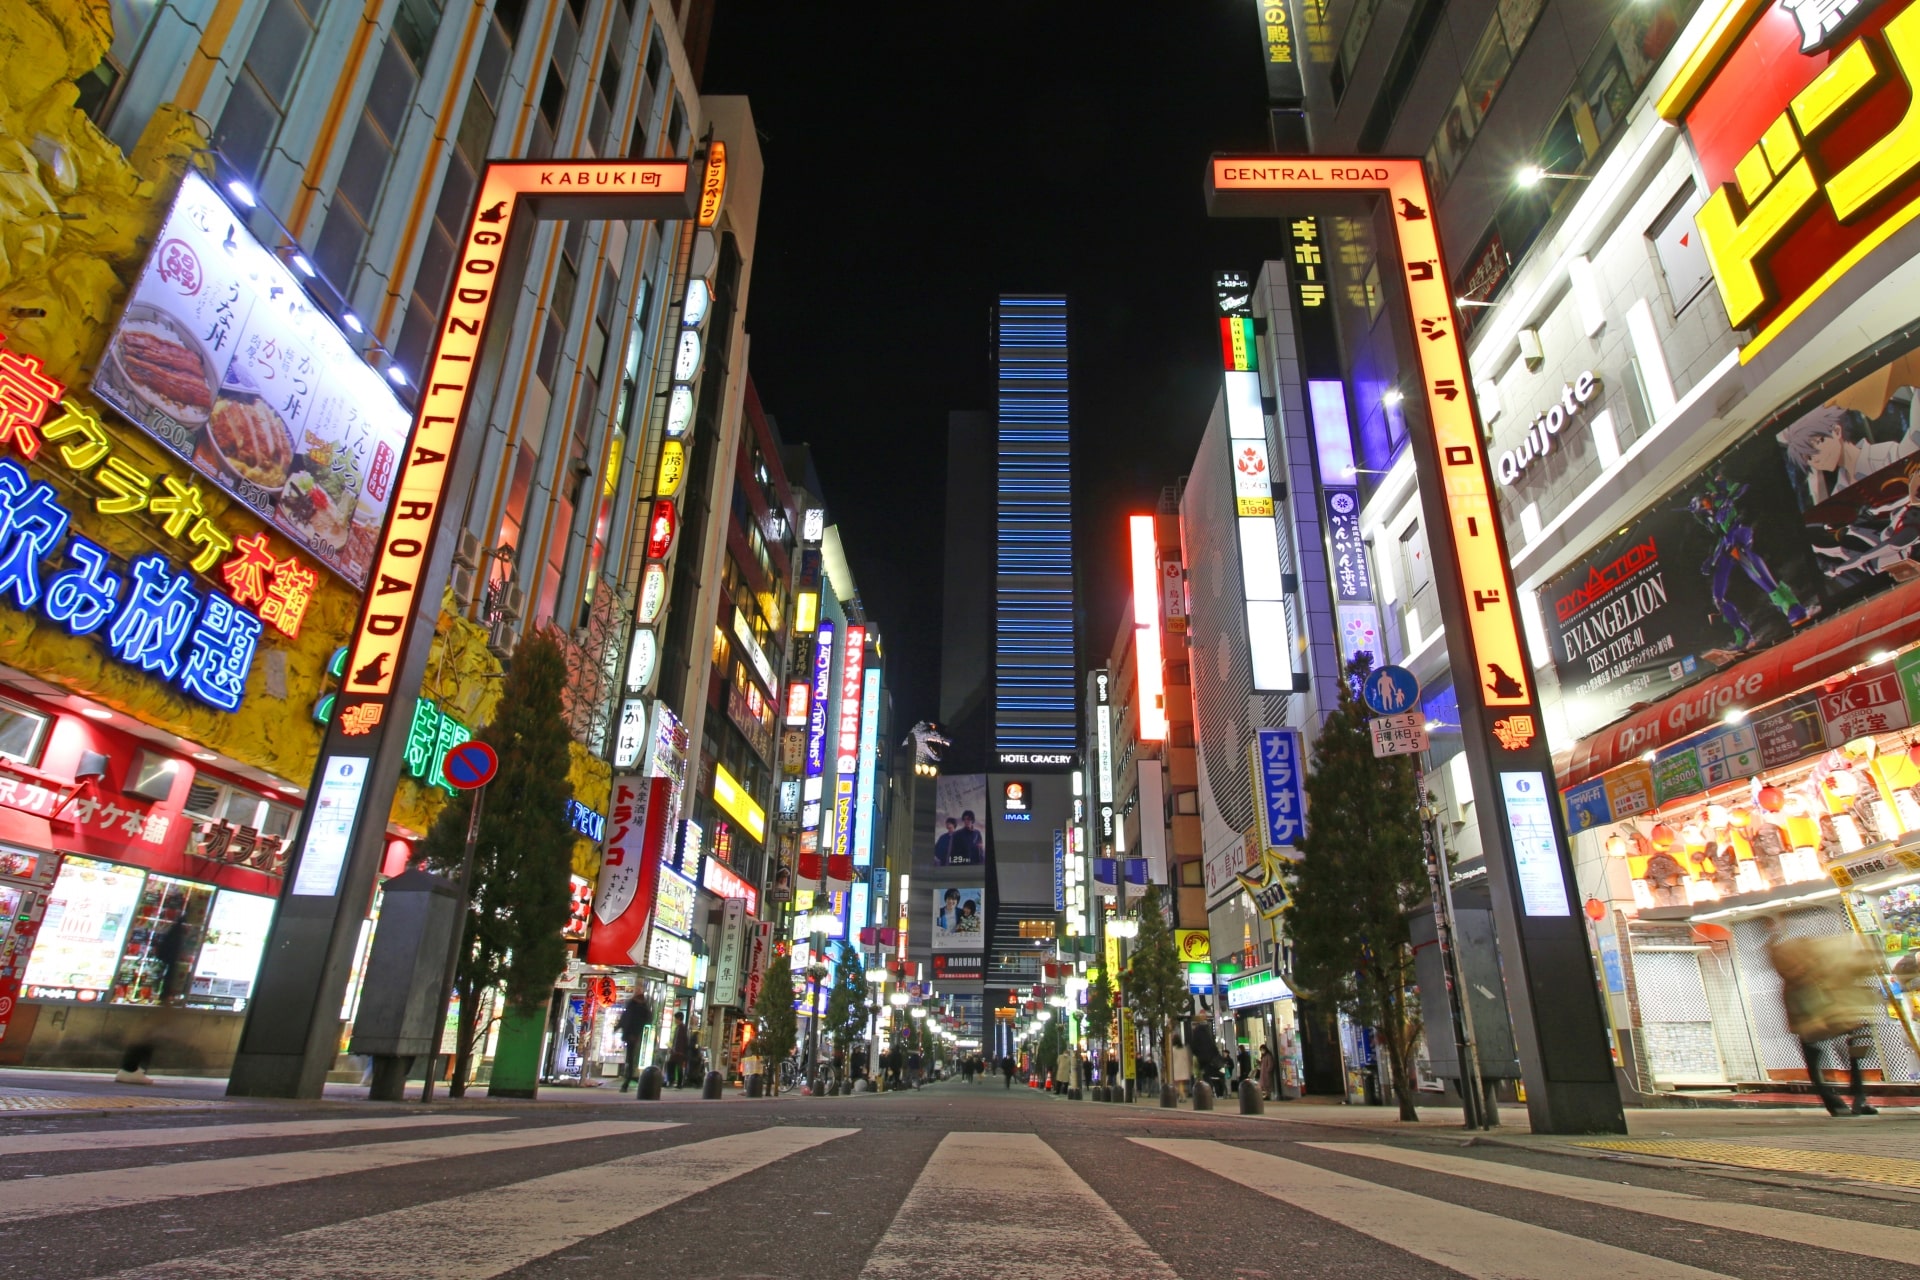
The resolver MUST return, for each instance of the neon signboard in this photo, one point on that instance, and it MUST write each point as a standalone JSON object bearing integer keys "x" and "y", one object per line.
{"x": 713, "y": 188}
{"x": 817, "y": 714}
{"x": 1810, "y": 160}
{"x": 1146, "y": 631}
{"x": 852, "y": 663}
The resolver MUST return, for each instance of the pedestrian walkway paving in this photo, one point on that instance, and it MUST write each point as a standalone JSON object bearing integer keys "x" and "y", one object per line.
{"x": 29, "y": 1100}
{"x": 1852, "y": 1165}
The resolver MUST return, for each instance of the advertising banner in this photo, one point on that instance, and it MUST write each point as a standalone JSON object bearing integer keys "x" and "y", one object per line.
{"x": 960, "y": 807}
{"x": 1059, "y": 869}
{"x": 630, "y": 871}
{"x": 760, "y": 950}
{"x": 729, "y": 960}
{"x": 1869, "y": 703}
{"x": 1351, "y": 582}
{"x": 959, "y": 918}
{"x": 1627, "y": 624}
{"x": 222, "y": 358}
{"x": 1280, "y": 771}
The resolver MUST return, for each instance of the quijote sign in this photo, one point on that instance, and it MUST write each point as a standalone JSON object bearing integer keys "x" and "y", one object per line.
{"x": 1575, "y": 396}
{"x": 1806, "y": 122}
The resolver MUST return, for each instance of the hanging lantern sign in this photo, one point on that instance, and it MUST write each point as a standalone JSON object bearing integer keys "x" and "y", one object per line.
{"x": 653, "y": 593}
{"x": 686, "y": 360}
{"x": 641, "y": 659}
{"x": 679, "y": 411}
{"x": 713, "y": 187}
{"x": 661, "y": 526}
{"x": 673, "y": 466}
{"x": 699, "y": 302}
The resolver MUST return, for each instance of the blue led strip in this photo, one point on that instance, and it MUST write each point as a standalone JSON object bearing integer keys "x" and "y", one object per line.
{"x": 1034, "y": 641}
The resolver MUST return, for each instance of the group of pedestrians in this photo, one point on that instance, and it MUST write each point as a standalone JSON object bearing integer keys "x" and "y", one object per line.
{"x": 684, "y": 1062}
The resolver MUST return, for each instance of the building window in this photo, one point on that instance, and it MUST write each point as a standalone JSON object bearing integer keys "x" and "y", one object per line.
{"x": 257, "y": 103}
{"x": 23, "y": 733}
{"x": 344, "y": 235}
{"x": 99, "y": 89}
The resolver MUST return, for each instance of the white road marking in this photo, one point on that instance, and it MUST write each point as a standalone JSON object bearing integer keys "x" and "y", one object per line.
{"x": 1869, "y": 1239}
{"x": 1473, "y": 1243}
{"x": 483, "y": 1234}
{"x": 144, "y": 1184}
{"x": 1007, "y": 1205}
{"x": 123, "y": 1139}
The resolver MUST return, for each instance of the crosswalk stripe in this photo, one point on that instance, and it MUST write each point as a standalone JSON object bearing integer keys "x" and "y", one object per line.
{"x": 144, "y": 1184}
{"x": 1869, "y": 1239}
{"x": 485, "y": 1233}
{"x": 1030, "y": 1196}
{"x": 124, "y": 1139}
{"x": 1471, "y": 1242}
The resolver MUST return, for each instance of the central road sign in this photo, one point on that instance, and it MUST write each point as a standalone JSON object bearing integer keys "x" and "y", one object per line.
{"x": 1558, "y": 1023}
{"x": 1390, "y": 691}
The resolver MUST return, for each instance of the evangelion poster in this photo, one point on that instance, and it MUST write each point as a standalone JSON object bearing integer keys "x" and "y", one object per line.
{"x": 1703, "y": 577}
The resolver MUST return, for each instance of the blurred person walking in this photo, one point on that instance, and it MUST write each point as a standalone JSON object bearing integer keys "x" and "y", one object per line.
{"x": 635, "y": 1016}
{"x": 1825, "y": 986}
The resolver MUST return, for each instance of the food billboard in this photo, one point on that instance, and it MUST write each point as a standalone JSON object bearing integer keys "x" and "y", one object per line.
{"x": 222, "y": 357}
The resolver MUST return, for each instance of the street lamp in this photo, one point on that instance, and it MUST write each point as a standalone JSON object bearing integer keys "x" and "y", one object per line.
{"x": 899, "y": 999}
{"x": 1124, "y": 928}
{"x": 1532, "y": 175}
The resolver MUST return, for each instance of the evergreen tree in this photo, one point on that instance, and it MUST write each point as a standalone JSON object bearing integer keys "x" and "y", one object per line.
{"x": 1100, "y": 1006}
{"x": 847, "y": 1001}
{"x": 779, "y": 1026}
{"x": 519, "y": 897}
{"x": 1361, "y": 870}
{"x": 1156, "y": 982}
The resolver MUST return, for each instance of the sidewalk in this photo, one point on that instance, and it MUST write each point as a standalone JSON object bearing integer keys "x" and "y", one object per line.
{"x": 1879, "y": 1152}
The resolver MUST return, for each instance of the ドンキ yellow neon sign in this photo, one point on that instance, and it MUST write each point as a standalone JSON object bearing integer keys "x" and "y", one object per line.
{"x": 570, "y": 188}
{"x": 1505, "y": 680}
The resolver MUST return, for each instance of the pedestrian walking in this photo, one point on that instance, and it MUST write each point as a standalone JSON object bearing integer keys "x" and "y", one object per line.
{"x": 1006, "y": 1068}
{"x": 1207, "y": 1058}
{"x": 680, "y": 1057}
{"x": 635, "y": 1017}
{"x": 1268, "y": 1070}
{"x": 1824, "y": 984}
{"x": 1180, "y": 1063}
{"x": 1245, "y": 1062}
{"x": 913, "y": 1068}
{"x": 165, "y": 954}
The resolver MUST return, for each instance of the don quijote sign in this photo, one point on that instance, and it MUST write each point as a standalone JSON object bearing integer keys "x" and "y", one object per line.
{"x": 1537, "y": 443}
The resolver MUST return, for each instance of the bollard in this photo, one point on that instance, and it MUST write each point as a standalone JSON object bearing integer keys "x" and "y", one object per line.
{"x": 846, "y": 1088}
{"x": 1169, "y": 1096}
{"x": 650, "y": 1081}
{"x": 1202, "y": 1096}
{"x": 753, "y": 1086}
{"x": 1251, "y": 1103}
{"x": 1074, "y": 1095}
{"x": 711, "y": 1090}
{"x": 1100, "y": 1092}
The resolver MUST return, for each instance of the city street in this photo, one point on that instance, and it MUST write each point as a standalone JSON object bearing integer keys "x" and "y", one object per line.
{"x": 952, "y": 1181}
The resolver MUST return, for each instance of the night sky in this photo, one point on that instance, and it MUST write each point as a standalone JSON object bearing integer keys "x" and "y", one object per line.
{"x": 923, "y": 158}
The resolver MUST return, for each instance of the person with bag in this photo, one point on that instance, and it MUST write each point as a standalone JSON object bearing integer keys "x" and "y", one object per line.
{"x": 1825, "y": 984}
{"x": 635, "y": 1017}
{"x": 680, "y": 1056}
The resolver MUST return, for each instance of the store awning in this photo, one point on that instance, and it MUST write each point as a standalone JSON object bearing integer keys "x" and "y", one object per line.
{"x": 1824, "y": 649}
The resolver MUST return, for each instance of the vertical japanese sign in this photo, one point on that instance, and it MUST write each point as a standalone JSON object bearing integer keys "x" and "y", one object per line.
{"x": 630, "y": 869}
{"x": 729, "y": 961}
{"x": 1282, "y": 53}
{"x": 1059, "y": 870}
{"x": 816, "y": 763}
{"x": 292, "y": 1031}
{"x": 1280, "y": 772}
{"x": 1560, "y": 1028}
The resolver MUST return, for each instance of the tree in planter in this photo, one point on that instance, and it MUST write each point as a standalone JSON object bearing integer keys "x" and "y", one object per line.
{"x": 779, "y": 1026}
{"x": 519, "y": 896}
{"x": 1156, "y": 984}
{"x": 1100, "y": 1009}
{"x": 1360, "y": 872}
{"x": 847, "y": 1002}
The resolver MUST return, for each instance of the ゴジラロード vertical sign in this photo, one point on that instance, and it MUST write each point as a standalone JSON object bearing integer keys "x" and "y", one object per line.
{"x": 1559, "y": 1026}
{"x": 292, "y": 1030}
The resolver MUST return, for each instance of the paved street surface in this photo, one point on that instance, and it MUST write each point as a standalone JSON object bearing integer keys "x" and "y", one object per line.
{"x": 959, "y": 1181}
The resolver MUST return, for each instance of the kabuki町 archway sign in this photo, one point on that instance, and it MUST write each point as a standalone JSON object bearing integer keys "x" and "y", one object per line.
{"x": 293, "y": 1022}
{"x": 1558, "y": 1021}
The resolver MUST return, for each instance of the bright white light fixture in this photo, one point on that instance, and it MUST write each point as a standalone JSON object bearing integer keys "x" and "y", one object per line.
{"x": 242, "y": 192}
{"x": 352, "y": 322}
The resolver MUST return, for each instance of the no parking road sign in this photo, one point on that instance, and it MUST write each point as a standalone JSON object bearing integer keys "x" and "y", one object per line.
{"x": 470, "y": 765}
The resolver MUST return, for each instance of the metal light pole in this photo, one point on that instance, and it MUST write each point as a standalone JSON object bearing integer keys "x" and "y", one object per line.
{"x": 452, "y": 971}
{"x": 1440, "y": 881}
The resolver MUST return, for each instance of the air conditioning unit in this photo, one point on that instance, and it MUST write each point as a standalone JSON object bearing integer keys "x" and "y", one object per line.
{"x": 468, "y": 552}
{"x": 500, "y": 639}
{"x": 465, "y": 578}
{"x": 513, "y": 603}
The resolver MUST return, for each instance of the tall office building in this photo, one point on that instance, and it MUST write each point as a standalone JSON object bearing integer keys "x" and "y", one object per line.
{"x": 1033, "y": 658}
